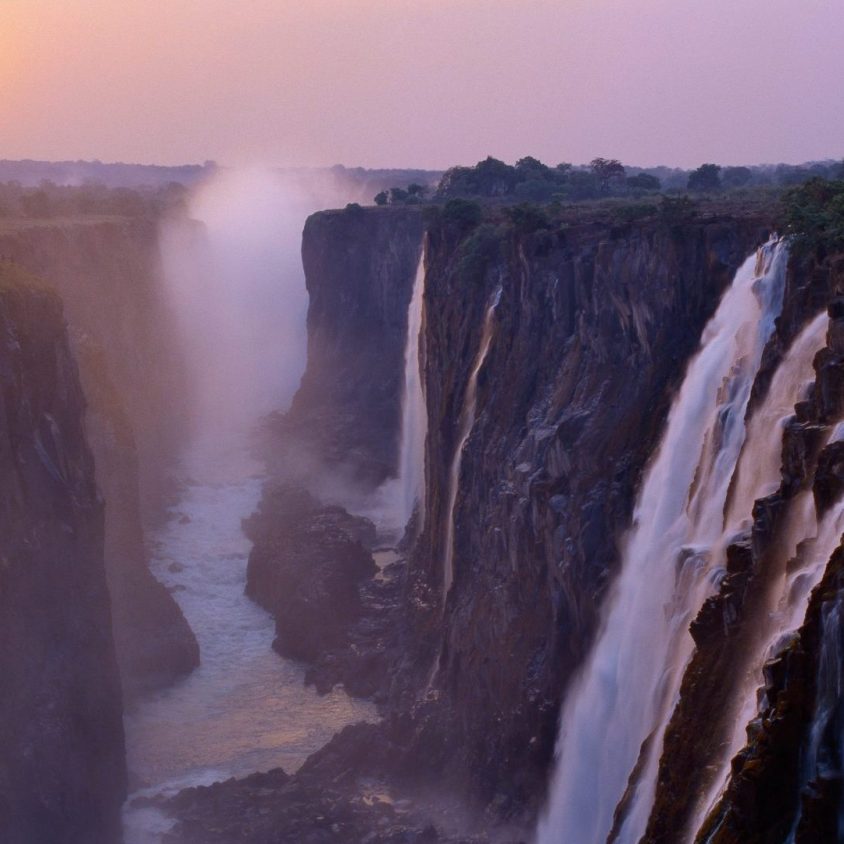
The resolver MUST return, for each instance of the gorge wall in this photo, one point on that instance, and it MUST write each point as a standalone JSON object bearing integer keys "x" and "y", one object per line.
{"x": 359, "y": 271}
{"x": 108, "y": 274}
{"x": 62, "y": 768}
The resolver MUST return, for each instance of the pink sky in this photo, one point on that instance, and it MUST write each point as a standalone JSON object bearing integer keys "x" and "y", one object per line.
{"x": 428, "y": 83}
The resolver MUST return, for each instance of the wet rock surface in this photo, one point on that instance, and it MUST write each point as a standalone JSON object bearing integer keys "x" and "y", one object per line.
{"x": 763, "y": 791}
{"x": 62, "y": 767}
{"x": 592, "y": 332}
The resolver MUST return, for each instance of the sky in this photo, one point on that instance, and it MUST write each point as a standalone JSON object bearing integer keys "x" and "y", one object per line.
{"x": 422, "y": 83}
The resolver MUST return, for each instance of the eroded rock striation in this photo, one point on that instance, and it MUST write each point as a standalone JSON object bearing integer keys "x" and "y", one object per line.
{"x": 62, "y": 769}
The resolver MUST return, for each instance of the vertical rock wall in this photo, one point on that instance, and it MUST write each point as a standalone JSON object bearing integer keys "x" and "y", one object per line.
{"x": 62, "y": 769}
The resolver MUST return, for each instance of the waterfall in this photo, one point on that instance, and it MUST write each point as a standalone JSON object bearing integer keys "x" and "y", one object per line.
{"x": 758, "y": 475}
{"x": 464, "y": 428}
{"x": 414, "y": 415}
{"x": 618, "y": 707}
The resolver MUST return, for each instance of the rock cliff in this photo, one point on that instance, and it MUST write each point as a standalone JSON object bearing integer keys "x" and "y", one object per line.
{"x": 107, "y": 272}
{"x": 359, "y": 270}
{"x": 62, "y": 769}
{"x": 592, "y": 329}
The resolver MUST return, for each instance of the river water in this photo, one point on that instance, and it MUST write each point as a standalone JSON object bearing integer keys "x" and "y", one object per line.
{"x": 245, "y": 708}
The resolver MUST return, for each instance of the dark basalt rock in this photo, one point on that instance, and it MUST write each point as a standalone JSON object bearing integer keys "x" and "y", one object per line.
{"x": 762, "y": 797}
{"x": 306, "y": 567}
{"x": 360, "y": 265}
{"x": 592, "y": 333}
{"x": 338, "y": 797}
{"x": 62, "y": 768}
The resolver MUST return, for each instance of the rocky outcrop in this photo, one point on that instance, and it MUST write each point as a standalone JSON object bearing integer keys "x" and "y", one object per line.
{"x": 62, "y": 769}
{"x": 107, "y": 272}
{"x": 338, "y": 796}
{"x": 359, "y": 268}
{"x": 306, "y": 566}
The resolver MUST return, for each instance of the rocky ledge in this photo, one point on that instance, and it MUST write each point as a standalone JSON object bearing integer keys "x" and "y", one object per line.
{"x": 340, "y": 796}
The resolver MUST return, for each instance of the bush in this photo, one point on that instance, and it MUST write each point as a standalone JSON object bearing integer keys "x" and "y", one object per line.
{"x": 643, "y": 181}
{"x": 814, "y": 215}
{"x": 706, "y": 178}
{"x": 528, "y": 218}
{"x": 462, "y": 214}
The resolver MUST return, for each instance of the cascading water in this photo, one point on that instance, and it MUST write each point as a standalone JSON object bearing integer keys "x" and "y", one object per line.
{"x": 757, "y": 475}
{"x": 616, "y": 711}
{"x": 465, "y": 425}
{"x": 780, "y": 625}
{"x": 405, "y": 492}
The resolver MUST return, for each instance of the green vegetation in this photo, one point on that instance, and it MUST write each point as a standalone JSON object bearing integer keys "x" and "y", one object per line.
{"x": 462, "y": 214}
{"x": 51, "y": 201}
{"x": 707, "y": 177}
{"x": 531, "y": 181}
{"x": 478, "y": 249}
{"x": 814, "y": 215}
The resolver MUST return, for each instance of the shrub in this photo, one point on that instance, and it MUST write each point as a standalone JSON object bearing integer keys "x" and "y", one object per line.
{"x": 814, "y": 215}
{"x": 706, "y": 178}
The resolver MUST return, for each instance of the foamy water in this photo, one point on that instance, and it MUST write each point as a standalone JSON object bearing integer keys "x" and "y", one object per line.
{"x": 245, "y": 708}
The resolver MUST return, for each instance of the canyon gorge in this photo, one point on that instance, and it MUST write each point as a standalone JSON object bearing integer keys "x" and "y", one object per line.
{"x": 444, "y": 520}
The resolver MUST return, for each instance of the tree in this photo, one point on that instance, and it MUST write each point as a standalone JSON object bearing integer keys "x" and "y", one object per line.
{"x": 36, "y": 204}
{"x": 736, "y": 177}
{"x": 381, "y": 198}
{"x": 397, "y": 195}
{"x": 707, "y": 177}
{"x": 608, "y": 171}
{"x": 415, "y": 189}
{"x": 643, "y": 181}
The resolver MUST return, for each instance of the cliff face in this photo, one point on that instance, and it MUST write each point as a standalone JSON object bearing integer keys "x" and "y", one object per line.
{"x": 590, "y": 335}
{"x": 108, "y": 275}
{"x": 359, "y": 268}
{"x": 62, "y": 770}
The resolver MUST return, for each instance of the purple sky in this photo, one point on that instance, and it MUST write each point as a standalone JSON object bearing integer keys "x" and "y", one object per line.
{"x": 428, "y": 83}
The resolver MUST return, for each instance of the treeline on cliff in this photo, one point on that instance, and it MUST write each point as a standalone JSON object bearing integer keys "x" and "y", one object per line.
{"x": 530, "y": 180}
{"x": 52, "y": 201}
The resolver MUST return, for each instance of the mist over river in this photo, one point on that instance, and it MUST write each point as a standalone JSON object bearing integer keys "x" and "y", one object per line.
{"x": 245, "y": 708}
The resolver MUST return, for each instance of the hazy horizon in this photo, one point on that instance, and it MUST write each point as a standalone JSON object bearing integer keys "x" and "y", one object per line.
{"x": 396, "y": 83}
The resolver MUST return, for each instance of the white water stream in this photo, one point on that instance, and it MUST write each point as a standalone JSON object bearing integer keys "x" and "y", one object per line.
{"x": 401, "y": 495}
{"x": 465, "y": 425}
